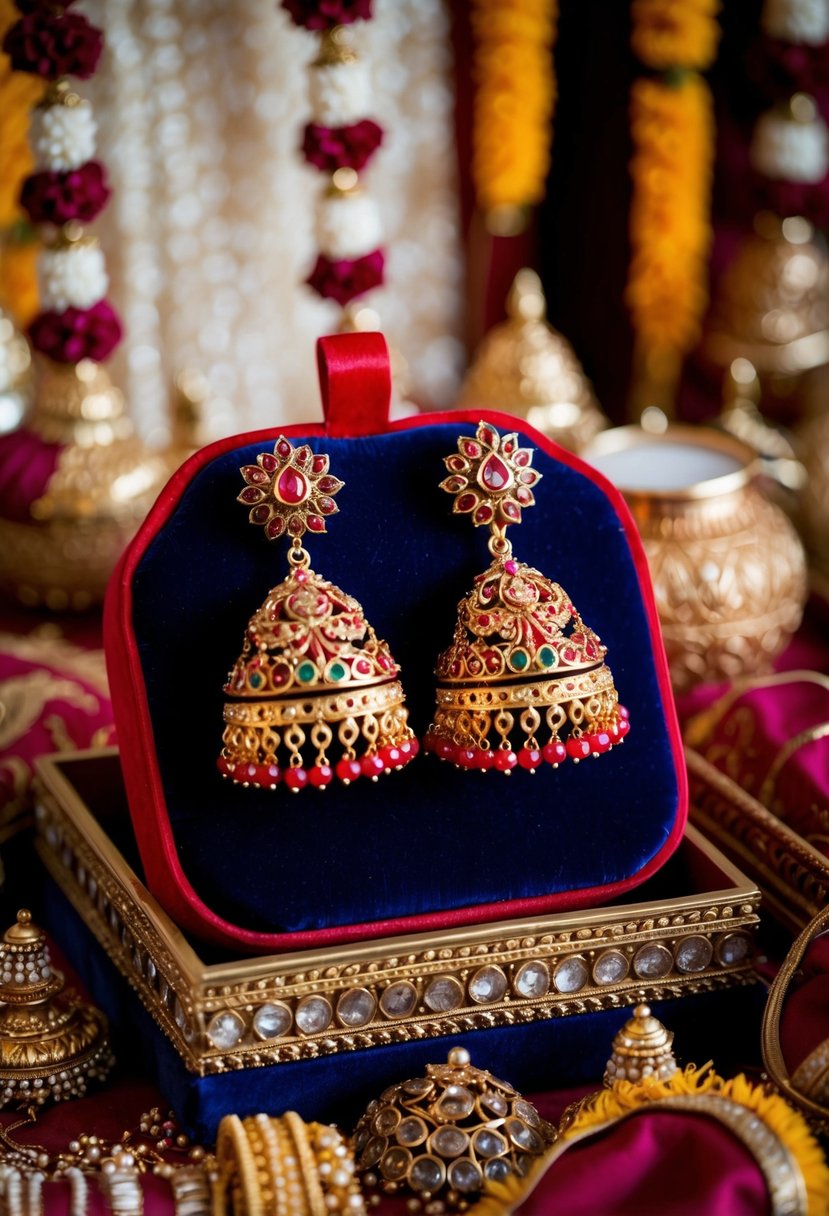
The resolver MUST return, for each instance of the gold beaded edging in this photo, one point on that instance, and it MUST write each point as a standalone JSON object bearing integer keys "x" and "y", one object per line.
{"x": 290, "y": 1007}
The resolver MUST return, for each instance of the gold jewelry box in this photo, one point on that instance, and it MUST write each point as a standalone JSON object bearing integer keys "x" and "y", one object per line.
{"x": 226, "y": 1015}
{"x": 792, "y": 874}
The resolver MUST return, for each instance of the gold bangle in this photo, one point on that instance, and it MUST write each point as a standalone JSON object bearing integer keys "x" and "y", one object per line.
{"x": 336, "y": 1171}
{"x": 297, "y": 1129}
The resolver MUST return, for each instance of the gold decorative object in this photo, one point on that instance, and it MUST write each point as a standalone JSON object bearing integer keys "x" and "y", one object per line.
{"x": 772, "y": 304}
{"x": 284, "y": 1167}
{"x": 104, "y": 483}
{"x": 442, "y": 1135}
{"x": 51, "y": 1046}
{"x": 527, "y": 368}
{"x": 312, "y": 672}
{"x": 15, "y": 374}
{"x": 728, "y": 568}
{"x": 742, "y": 418}
{"x": 247, "y": 1013}
{"x": 642, "y": 1048}
{"x": 523, "y": 667}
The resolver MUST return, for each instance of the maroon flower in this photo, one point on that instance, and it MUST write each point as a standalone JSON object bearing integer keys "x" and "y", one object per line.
{"x": 52, "y": 44}
{"x": 56, "y": 198}
{"x": 331, "y": 148}
{"x": 325, "y": 14}
{"x": 345, "y": 280}
{"x": 77, "y": 333}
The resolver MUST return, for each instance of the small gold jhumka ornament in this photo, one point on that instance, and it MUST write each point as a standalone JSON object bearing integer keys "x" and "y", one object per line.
{"x": 444, "y": 1135}
{"x": 522, "y": 660}
{"x": 51, "y": 1045}
{"x": 312, "y": 674}
{"x": 641, "y": 1049}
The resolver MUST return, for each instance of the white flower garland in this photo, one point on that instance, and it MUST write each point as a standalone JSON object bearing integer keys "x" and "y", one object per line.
{"x": 73, "y": 276}
{"x": 801, "y": 21}
{"x": 347, "y": 226}
{"x": 340, "y": 93}
{"x": 792, "y": 151}
{"x": 63, "y": 137}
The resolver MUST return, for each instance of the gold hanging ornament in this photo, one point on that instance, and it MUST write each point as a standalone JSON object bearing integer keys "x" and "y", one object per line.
{"x": 312, "y": 675}
{"x": 522, "y": 661}
{"x": 51, "y": 1045}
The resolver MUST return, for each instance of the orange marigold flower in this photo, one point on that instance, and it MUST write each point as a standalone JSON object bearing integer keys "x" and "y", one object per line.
{"x": 514, "y": 100}
{"x": 675, "y": 33}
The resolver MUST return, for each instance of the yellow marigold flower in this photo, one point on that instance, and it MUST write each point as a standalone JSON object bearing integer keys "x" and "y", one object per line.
{"x": 670, "y": 234}
{"x": 675, "y": 33}
{"x": 514, "y": 100}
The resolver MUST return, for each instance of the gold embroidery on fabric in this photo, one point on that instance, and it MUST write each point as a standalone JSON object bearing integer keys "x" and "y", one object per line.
{"x": 23, "y": 698}
{"x": 47, "y": 645}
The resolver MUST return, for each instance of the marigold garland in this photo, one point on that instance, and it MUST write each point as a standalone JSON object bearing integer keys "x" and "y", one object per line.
{"x": 19, "y": 93}
{"x": 514, "y": 100}
{"x": 673, "y": 136}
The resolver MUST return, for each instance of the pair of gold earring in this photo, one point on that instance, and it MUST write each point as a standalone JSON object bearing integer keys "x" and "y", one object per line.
{"x": 315, "y": 694}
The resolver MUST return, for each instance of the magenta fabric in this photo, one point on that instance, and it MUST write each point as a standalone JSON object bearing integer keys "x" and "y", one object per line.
{"x": 748, "y": 740}
{"x": 650, "y": 1164}
{"x": 26, "y": 465}
{"x": 55, "y": 694}
{"x": 804, "y": 1022}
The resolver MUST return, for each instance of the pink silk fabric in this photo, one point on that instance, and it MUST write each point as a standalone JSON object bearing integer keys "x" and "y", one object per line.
{"x": 769, "y": 741}
{"x": 653, "y": 1163}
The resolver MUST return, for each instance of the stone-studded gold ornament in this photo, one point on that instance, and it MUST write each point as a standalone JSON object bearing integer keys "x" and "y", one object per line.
{"x": 642, "y": 1048}
{"x": 51, "y": 1044}
{"x": 440, "y": 1136}
{"x": 103, "y": 485}
{"x": 527, "y": 368}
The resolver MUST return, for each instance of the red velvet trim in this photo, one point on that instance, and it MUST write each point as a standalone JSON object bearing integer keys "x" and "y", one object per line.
{"x": 163, "y": 870}
{"x": 355, "y": 382}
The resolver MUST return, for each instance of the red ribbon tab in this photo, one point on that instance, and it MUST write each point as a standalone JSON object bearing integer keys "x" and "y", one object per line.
{"x": 355, "y": 383}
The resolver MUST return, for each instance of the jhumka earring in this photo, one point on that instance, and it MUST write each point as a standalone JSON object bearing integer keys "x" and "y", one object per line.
{"x": 522, "y": 660}
{"x": 312, "y": 673}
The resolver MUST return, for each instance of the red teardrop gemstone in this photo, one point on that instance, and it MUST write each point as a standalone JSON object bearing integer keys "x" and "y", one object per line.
{"x": 470, "y": 448}
{"x": 327, "y": 484}
{"x": 522, "y": 457}
{"x": 483, "y": 515}
{"x": 261, "y": 514}
{"x": 292, "y": 486}
{"x": 276, "y": 527}
{"x": 494, "y": 474}
{"x": 251, "y": 494}
{"x": 319, "y": 464}
{"x": 283, "y": 448}
{"x": 511, "y": 511}
{"x": 302, "y": 456}
{"x": 315, "y": 523}
{"x": 487, "y": 435}
{"x": 326, "y": 505}
{"x": 466, "y": 502}
{"x": 268, "y": 462}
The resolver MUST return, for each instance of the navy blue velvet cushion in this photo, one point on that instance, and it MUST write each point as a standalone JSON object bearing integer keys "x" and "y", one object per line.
{"x": 430, "y": 838}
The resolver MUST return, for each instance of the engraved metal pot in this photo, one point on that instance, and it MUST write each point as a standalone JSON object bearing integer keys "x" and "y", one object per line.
{"x": 728, "y": 568}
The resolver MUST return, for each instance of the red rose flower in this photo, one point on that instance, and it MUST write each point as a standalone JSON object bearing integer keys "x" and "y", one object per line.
{"x": 345, "y": 280}
{"x": 332, "y": 148}
{"x": 52, "y": 44}
{"x": 325, "y": 14}
{"x": 77, "y": 333}
{"x": 56, "y": 198}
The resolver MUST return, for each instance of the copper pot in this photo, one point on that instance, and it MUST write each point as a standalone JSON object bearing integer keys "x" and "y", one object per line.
{"x": 728, "y": 568}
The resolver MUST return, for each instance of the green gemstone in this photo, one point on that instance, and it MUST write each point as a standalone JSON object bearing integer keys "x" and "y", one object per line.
{"x": 546, "y": 656}
{"x": 305, "y": 672}
{"x": 519, "y": 659}
{"x": 336, "y": 671}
